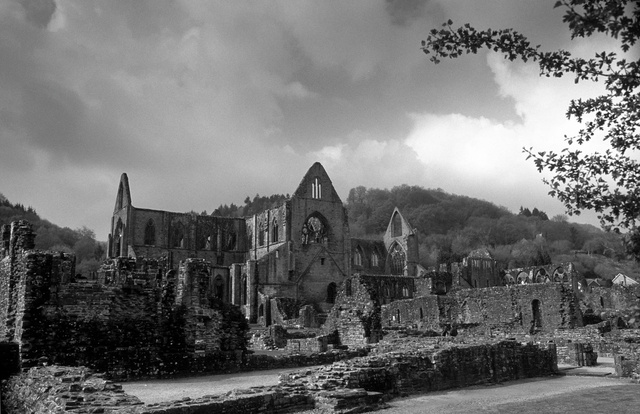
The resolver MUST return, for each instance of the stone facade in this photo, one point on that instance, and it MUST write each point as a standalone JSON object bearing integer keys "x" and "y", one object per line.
{"x": 510, "y": 309}
{"x": 299, "y": 250}
{"x": 27, "y": 279}
{"x": 141, "y": 321}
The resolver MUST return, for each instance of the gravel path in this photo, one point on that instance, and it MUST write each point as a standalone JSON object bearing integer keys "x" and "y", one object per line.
{"x": 555, "y": 394}
{"x": 155, "y": 391}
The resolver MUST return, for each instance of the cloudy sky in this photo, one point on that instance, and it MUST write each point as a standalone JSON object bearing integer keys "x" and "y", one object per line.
{"x": 204, "y": 102}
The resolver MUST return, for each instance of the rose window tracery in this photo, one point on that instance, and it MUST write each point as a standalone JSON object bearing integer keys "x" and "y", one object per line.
{"x": 313, "y": 231}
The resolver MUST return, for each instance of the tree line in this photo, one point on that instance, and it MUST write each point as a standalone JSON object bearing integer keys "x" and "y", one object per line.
{"x": 451, "y": 226}
{"x": 82, "y": 241}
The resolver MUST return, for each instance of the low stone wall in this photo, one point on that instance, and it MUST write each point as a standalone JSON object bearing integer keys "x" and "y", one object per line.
{"x": 432, "y": 368}
{"x": 256, "y": 362}
{"x": 308, "y": 345}
{"x": 577, "y": 354}
{"x": 356, "y": 385}
{"x": 628, "y": 366}
{"x": 60, "y": 389}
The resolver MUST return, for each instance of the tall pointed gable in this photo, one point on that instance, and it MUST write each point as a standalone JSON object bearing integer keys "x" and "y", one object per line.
{"x": 123, "y": 199}
{"x": 398, "y": 227}
{"x": 316, "y": 184}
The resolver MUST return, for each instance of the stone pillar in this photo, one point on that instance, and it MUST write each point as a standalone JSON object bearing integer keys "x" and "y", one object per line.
{"x": 6, "y": 238}
{"x": 22, "y": 236}
{"x": 252, "y": 294}
{"x": 236, "y": 283}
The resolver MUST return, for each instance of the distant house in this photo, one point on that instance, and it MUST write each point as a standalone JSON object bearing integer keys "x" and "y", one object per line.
{"x": 599, "y": 282}
{"x": 623, "y": 280}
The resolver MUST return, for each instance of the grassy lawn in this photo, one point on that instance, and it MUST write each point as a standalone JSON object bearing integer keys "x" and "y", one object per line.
{"x": 614, "y": 400}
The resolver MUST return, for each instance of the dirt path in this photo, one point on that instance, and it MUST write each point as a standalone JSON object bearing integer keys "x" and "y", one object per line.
{"x": 155, "y": 391}
{"x": 583, "y": 394}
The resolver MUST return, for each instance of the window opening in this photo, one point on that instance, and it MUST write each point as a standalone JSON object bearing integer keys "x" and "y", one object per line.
{"x": 150, "y": 233}
{"x": 178, "y": 236}
{"x": 397, "y": 260}
{"x": 375, "y": 259}
{"x": 331, "y": 293}
{"x": 261, "y": 233}
{"x": 396, "y": 225}
{"x": 316, "y": 189}
{"x": 357, "y": 256}
{"x": 314, "y": 231}
{"x": 274, "y": 231}
{"x": 218, "y": 287}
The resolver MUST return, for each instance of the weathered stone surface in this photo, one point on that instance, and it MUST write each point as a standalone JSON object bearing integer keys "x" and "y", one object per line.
{"x": 356, "y": 385}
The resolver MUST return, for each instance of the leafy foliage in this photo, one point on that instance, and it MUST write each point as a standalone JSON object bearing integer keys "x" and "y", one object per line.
{"x": 451, "y": 226}
{"x": 606, "y": 182}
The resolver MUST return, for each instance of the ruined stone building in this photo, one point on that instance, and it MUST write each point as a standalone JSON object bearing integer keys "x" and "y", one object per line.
{"x": 300, "y": 250}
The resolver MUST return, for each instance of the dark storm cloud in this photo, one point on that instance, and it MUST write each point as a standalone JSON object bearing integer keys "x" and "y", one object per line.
{"x": 44, "y": 110}
{"x": 39, "y": 12}
{"x": 51, "y": 115}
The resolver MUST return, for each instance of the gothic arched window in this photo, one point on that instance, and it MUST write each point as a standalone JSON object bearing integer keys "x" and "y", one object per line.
{"x": 357, "y": 256}
{"x": 118, "y": 238}
{"x": 398, "y": 259}
{"x": 150, "y": 233}
{"x": 231, "y": 240}
{"x": 375, "y": 259}
{"x": 396, "y": 225}
{"x": 177, "y": 239}
{"x": 261, "y": 235}
{"x": 316, "y": 188}
{"x": 274, "y": 231}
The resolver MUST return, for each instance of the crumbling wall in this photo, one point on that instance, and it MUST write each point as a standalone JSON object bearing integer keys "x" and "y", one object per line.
{"x": 555, "y": 303}
{"x": 353, "y": 385}
{"x": 63, "y": 389}
{"x": 212, "y": 326}
{"x": 28, "y": 280}
{"x": 127, "y": 271}
{"x": 356, "y": 313}
{"x": 425, "y": 368}
{"x": 390, "y": 287}
{"x": 421, "y": 313}
{"x": 142, "y": 323}
{"x": 511, "y": 309}
{"x": 617, "y": 297}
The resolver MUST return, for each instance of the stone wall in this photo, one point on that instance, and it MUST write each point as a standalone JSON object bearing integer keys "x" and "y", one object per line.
{"x": 577, "y": 354}
{"x": 43, "y": 390}
{"x": 421, "y": 313}
{"x": 27, "y": 282}
{"x": 356, "y": 314}
{"x": 510, "y": 309}
{"x": 617, "y": 297}
{"x": 355, "y": 385}
{"x": 143, "y": 323}
{"x": 126, "y": 271}
{"x": 425, "y": 368}
{"x": 307, "y": 345}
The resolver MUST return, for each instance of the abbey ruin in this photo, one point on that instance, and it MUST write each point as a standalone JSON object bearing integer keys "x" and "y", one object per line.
{"x": 182, "y": 294}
